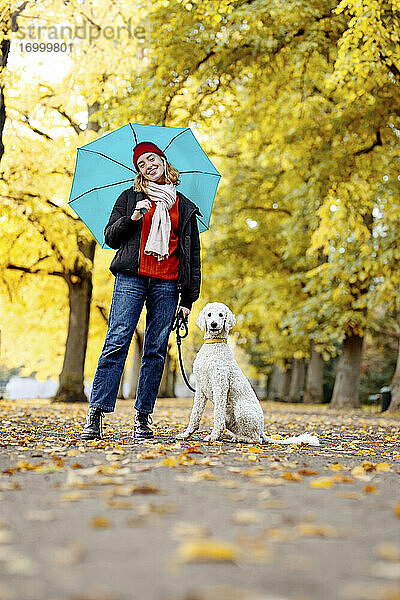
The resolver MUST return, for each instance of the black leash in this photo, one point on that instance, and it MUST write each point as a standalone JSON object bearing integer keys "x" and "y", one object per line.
{"x": 181, "y": 323}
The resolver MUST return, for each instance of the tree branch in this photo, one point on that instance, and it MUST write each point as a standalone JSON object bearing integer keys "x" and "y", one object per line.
{"x": 391, "y": 66}
{"x": 378, "y": 142}
{"x": 62, "y": 209}
{"x": 102, "y": 312}
{"x": 39, "y": 227}
{"x": 73, "y": 124}
{"x": 25, "y": 121}
{"x": 34, "y": 271}
{"x": 265, "y": 209}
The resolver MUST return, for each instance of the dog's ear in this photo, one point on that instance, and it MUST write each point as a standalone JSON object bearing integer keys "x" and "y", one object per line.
{"x": 230, "y": 319}
{"x": 201, "y": 319}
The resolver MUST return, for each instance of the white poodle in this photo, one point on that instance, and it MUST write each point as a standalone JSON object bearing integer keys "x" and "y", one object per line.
{"x": 220, "y": 379}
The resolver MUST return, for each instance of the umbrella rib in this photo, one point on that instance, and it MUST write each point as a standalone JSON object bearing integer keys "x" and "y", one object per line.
{"x": 108, "y": 158}
{"x": 134, "y": 133}
{"x": 204, "y": 173}
{"x": 174, "y": 138}
{"x": 99, "y": 188}
{"x": 201, "y": 221}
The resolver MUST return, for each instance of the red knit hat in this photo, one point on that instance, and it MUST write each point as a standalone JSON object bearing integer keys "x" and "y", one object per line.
{"x": 143, "y": 147}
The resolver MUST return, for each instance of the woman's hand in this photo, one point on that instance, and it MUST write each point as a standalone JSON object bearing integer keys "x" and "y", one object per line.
{"x": 185, "y": 311}
{"x": 136, "y": 215}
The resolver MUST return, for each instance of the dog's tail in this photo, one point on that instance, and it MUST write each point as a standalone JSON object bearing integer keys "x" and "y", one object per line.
{"x": 304, "y": 438}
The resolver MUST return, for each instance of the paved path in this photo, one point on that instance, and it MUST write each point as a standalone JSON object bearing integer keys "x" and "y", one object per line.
{"x": 169, "y": 520}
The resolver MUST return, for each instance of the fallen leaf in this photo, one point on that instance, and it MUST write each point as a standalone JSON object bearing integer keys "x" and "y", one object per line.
{"x": 340, "y": 478}
{"x": 100, "y": 522}
{"x": 246, "y": 517}
{"x": 292, "y": 476}
{"x": 208, "y": 550}
{"x": 307, "y": 472}
{"x": 72, "y": 496}
{"x": 335, "y": 467}
{"x": 169, "y": 462}
{"x": 370, "y": 489}
{"x": 315, "y": 530}
{"x": 388, "y": 551}
{"x": 186, "y": 530}
{"x": 124, "y": 504}
{"x": 322, "y": 482}
{"x": 349, "y": 495}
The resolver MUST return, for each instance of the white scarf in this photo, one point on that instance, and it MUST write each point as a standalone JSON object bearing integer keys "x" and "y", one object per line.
{"x": 164, "y": 195}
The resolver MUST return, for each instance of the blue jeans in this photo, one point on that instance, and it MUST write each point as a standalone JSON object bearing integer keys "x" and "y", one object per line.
{"x": 129, "y": 295}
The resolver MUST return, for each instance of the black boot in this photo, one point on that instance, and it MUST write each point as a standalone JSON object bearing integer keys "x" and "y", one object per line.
{"x": 140, "y": 426}
{"x": 92, "y": 428}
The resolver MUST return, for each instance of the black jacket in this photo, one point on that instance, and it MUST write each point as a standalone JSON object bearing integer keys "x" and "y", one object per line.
{"x": 125, "y": 235}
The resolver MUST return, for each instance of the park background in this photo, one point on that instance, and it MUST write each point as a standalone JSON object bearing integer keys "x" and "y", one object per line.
{"x": 297, "y": 105}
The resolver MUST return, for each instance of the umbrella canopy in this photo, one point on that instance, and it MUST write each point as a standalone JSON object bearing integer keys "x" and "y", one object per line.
{"x": 104, "y": 168}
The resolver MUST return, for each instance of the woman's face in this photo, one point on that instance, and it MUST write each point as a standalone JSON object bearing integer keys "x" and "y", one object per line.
{"x": 151, "y": 166}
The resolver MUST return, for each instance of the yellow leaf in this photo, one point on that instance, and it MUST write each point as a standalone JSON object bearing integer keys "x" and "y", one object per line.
{"x": 169, "y": 462}
{"x": 383, "y": 467}
{"x": 246, "y": 517}
{"x": 388, "y": 551}
{"x": 322, "y": 482}
{"x": 252, "y": 472}
{"x": 307, "y": 472}
{"x": 184, "y": 459}
{"x": 252, "y": 458}
{"x": 254, "y": 449}
{"x": 186, "y": 529}
{"x": 314, "y": 530}
{"x": 292, "y": 476}
{"x": 211, "y": 550}
{"x": 339, "y": 478}
{"x": 276, "y": 534}
{"x": 358, "y": 472}
{"x": 72, "y": 496}
{"x": 370, "y": 489}
{"x": 336, "y": 467}
{"x": 348, "y": 495}
{"x": 99, "y": 522}
{"x": 73, "y": 452}
{"x": 397, "y": 509}
{"x": 368, "y": 466}
{"x": 119, "y": 503}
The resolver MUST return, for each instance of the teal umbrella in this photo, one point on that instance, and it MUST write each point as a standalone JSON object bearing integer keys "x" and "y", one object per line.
{"x": 104, "y": 168}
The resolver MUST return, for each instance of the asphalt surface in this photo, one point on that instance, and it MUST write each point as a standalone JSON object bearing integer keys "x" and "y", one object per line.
{"x": 169, "y": 520}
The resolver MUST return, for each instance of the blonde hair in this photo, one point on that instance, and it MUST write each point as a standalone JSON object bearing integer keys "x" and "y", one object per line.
{"x": 171, "y": 176}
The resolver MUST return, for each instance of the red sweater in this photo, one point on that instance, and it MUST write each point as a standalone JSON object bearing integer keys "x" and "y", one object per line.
{"x": 148, "y": 264}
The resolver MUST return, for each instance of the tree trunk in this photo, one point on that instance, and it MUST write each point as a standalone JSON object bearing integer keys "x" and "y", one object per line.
{"x": 395, "y": 386}
{"x": 137, "y": 358}
{"x": 313, "y": 393}
{"x": 167, "y": 385}
{"x": 347, "y": 381}
{"x": 279, "y": 387}
{"x": 297, "y": 380}
{"x": 275, "y": 383}
{"x": 72, "y": 375}
{"x": 285, "y": 383}
{"x": 80, "y": 294}
{"x": 6, "y": 27}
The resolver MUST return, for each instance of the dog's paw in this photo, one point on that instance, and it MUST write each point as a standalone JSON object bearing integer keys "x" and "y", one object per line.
{"x": 182, "y": 436}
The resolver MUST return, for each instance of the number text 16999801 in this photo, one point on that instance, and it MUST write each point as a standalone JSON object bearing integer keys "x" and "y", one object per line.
{"x": 45, "y": 47}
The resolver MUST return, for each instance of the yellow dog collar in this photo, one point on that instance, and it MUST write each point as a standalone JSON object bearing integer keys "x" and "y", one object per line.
{"x": 215, "y": 340}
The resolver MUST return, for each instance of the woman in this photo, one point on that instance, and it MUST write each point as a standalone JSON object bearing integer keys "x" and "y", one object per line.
{"x": 158, "y": 257}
